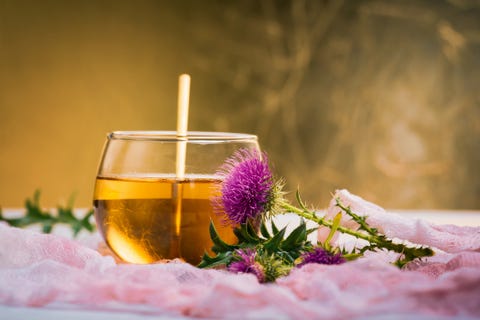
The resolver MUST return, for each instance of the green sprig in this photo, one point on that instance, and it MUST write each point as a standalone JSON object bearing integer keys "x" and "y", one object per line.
{"x": 376, "y": 240}
{"x": 36, "y": 215}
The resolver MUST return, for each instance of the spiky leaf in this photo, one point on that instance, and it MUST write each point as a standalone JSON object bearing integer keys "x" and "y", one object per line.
{"x": 264, "y": 231}
{"x": 246, "y": 234}
{"x": 220, "y": 259}
{"x": 274, "y": 228}
{"x": 272, "y": 244}
{"x": 297, "y": 237}
{"x": 219, "y": 245}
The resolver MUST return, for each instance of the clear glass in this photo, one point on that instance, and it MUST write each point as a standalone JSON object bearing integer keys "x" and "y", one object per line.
{"x": 146, "y": 209}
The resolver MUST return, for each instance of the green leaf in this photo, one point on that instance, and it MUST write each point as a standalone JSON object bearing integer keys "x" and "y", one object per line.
{"x": 264, "y": 230}
{"x": 47, "y": 228}
{"x": 309, "y": 231}
{"x": 239, "y": 234}
{"x": 246, "y": 234}
{"x": 252, "y": 232}
{"x": 274, "y": 228}
{"x": 300, "y": 201}
{"x": 272, "y": 244}
{"x": 86, "y": 221}
{"x": 335, "y": 224}
{"x": 220, "y": 259}
{"x": 296, "y": 237}
{"x": 218, "y": 244}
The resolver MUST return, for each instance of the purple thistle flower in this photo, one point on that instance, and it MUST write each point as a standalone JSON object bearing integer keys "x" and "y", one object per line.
{"x": 247, "y": 264}
{"x": 321, "y": 256}
{"x": 247, "y": 189}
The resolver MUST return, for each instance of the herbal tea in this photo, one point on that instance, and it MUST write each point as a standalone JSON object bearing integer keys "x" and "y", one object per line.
{"x": 146, "y": 219}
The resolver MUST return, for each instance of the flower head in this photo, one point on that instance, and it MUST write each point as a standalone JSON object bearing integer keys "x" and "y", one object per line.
{"x": 248, "y": 189}
{"x": 247, "y": 264}
{"x": 321, "y": 256}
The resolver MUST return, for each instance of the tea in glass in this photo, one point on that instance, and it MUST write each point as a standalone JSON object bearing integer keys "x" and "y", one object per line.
{"x": 144, "y": 211}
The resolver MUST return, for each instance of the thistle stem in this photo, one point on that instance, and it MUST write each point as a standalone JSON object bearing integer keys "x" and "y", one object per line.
{"x": 379, "y": 241}
{"x": 321, "y": 221}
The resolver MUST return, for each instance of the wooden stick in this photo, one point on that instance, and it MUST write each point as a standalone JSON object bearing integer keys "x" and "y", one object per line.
{"x": 182, "y": 123}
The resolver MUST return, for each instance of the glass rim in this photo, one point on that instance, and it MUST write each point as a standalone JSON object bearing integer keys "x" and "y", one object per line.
{"x": 173, "y": 136}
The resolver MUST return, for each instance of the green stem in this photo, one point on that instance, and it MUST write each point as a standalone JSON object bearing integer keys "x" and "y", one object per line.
{"x": 380, "y": 241}
{"x": 321, "y": 221}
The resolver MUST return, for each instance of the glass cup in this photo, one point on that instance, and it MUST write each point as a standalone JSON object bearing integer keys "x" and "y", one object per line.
{"x": 147, "y": 208}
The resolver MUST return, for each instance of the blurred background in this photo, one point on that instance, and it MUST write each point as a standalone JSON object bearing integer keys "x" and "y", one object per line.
{"x": 379, "y": 97}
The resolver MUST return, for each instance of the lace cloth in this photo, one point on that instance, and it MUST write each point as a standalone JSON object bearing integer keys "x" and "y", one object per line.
{"x": 46, "y": 270}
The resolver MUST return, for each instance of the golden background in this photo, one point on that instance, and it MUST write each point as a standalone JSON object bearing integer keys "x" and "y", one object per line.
{"x": 380, "y": 97}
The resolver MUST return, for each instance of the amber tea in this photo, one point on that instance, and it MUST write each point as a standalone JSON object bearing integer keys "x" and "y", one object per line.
{"x": 147, "y": 219}
{"x": 153, "y": 192}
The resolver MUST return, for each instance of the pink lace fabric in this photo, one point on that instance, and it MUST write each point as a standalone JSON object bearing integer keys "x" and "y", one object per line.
{"x": 46, "y": 270}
